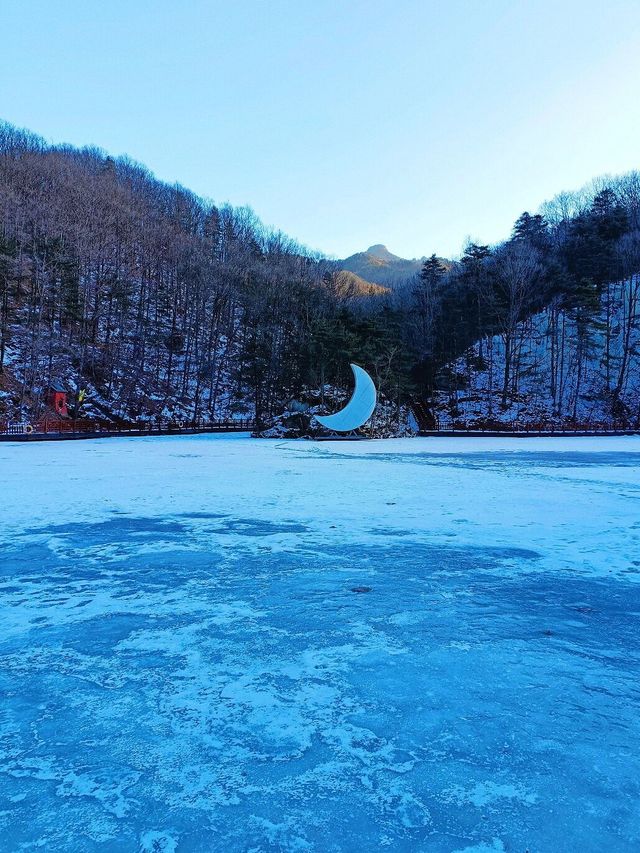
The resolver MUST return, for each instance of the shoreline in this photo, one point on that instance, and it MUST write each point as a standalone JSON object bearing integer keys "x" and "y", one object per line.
{"x": 84, "y": 436}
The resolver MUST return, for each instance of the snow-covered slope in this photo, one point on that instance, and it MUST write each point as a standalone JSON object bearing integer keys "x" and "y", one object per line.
{"x": 561, "y": 368}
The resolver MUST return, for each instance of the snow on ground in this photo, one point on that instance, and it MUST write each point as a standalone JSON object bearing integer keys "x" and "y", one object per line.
{"x": 215, "y": 643}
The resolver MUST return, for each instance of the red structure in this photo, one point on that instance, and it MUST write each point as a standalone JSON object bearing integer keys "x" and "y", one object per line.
{"x": 57, "y": 398}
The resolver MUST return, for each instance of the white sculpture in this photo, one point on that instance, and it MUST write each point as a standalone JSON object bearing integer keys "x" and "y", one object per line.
{"x": 359, "y": 408}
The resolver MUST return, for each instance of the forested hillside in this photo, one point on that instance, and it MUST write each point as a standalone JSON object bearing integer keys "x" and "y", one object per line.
{"x": 544, "y": 327}
{"x": 147, "y": 301}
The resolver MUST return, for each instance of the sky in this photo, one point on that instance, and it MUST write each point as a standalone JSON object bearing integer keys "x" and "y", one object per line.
{"x": 413, "y": 123}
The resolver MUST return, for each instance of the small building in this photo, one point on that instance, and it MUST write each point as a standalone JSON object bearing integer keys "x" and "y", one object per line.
{"x": 57, "y": 398}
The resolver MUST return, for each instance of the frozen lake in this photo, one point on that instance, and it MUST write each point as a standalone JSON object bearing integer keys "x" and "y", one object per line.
{"x": 220, "y": 644}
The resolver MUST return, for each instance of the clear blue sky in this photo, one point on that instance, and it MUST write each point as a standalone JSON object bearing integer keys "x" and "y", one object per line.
{"x": 413, "y": 123}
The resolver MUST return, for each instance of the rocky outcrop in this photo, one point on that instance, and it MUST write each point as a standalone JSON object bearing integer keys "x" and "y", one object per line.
{"x": 297, "y": 420}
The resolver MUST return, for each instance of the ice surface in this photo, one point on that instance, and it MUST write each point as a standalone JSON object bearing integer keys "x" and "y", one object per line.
{"x": 214, "y": 643}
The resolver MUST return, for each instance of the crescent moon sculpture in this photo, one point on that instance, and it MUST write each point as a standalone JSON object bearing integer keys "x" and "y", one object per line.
{"x": 359, "y": 408}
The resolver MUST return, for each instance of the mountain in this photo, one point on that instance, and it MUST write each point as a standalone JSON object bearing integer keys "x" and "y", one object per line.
{"x": 543, "y": 329}
{"x": 143, "y": 300}
{"x": 380, "y": 266}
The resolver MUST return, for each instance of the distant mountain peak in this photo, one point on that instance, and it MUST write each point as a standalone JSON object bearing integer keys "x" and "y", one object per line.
{"x": 380, "y": 251}
{"x": 380, "y": 266}
{"x": 377, "y": 265}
